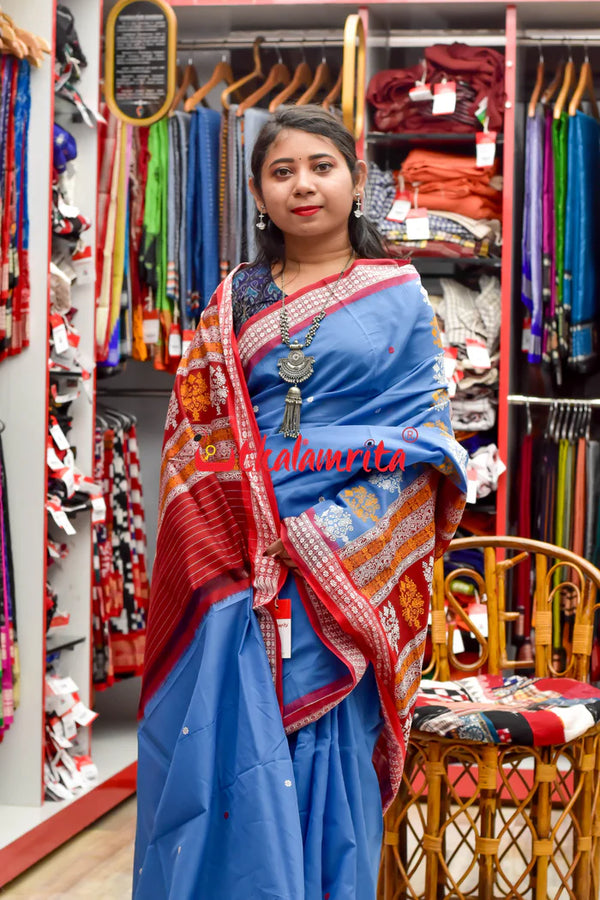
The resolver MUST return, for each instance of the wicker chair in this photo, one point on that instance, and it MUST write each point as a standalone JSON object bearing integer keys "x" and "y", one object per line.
{"x": 476, "y": 819}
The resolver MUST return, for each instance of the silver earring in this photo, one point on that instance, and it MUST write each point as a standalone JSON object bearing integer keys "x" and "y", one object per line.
{"x": 261, "y": 224}
{"x": 358, "y": 210}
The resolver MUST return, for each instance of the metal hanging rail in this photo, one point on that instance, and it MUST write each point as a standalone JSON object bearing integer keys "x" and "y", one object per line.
{"x": 273, "y": 40}
{"x": 558, "y": 37}
{"x": 520, "y": 400}
{"x": 292, "y": 39}
{"x": 132, "y": 392}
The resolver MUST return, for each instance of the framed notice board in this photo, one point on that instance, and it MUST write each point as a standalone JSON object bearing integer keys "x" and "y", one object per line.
{"x": 141, "y": 47}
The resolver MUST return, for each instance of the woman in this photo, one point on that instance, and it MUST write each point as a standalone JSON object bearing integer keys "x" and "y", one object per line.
{"x": 264, "y": 768}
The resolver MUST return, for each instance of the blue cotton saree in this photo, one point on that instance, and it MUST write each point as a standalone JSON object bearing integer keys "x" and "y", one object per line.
{"x": 259, "y": 776}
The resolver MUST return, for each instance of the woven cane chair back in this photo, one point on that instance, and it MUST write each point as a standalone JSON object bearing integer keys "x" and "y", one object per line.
{"x": 477, "y": 819}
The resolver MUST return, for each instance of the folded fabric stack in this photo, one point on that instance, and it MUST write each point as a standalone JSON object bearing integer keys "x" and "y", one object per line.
{"x": 478, "y": 73}
{"x": 453, "y": 232}
{"x": 469, "y": 318}
{"x": 453, "y": 183}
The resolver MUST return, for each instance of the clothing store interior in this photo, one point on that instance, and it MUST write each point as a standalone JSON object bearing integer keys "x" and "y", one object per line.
{"x": 127, "y": 130}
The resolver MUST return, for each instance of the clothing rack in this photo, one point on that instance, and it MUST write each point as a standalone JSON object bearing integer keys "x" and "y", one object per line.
{"x": 131, "y": 392}
{"x": 335, "y": 37}
{"x": 520, "y": 400}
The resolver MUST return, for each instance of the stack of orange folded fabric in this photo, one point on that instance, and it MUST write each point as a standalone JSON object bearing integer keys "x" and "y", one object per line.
{"x": 444, "y": 181}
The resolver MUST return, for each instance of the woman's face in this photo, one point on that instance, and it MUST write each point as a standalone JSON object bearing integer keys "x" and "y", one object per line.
{"x": 306, "y": 185}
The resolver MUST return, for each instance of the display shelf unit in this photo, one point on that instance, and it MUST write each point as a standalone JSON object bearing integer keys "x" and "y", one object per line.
{"x": 395, "y": 30}
{"x": 29, "y": 826}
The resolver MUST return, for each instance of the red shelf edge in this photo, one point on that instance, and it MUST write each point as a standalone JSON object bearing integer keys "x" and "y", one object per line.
{"x": 41, "y": 840}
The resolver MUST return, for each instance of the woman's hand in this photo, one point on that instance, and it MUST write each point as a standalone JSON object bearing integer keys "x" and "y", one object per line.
{"x": 277, "y": 549}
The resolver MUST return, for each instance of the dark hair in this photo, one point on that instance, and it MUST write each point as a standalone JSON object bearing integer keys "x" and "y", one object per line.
{"x": 364, "y": 236}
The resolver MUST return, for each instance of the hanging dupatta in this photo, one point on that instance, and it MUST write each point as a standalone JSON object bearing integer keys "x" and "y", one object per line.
{"x": 369, "y": 598}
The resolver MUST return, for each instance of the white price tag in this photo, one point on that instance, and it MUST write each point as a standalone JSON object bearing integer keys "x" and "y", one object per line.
{"x": 450, "y": 361}
{"x": 151, "y": 328}
{"x": 52, "y": 459}
{"x": 417, "y": 225}
{"x": 444, "y": 98}
{"x": 175, "y": 342}
{"x": 420, "y": 92}
{"x": 485, "y": 148}
{"x": 451, "y": 388}
{"x": 458, "y": 645}
{"x": 478, "y": 354}
{"x": 399, "y": 209}
{"x": 98, "y": 508}
{"x": 479, "y": 620}
{"x": 283, "y": 617}
{"x": 62, "y": 685}
{"x": 83, "y": 715}
{"x": 59, "y": 437}
{"x": 69, "y": 725}
{"x": 59, "y": 336}
{"x": 471, "y": 487}
{"x": 61, "y": 519}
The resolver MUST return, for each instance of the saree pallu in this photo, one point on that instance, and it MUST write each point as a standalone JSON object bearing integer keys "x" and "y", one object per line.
{"x": 228, "y": 807}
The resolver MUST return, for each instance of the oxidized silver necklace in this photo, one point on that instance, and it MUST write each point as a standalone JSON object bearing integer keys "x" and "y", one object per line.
{"x": 296, "y": 367}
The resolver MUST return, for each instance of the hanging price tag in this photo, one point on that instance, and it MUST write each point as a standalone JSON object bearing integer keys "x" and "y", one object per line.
{"x": 151, "y": 327}
{"x": 59, "y": 334}
{"x": 478, "y": 354}
{"x": 175, "y": 342}
{"x": 60, "y": 517}
{"x": 73, "y": 338}
{"x": 417, "y": 224}
{"x": 485, "y": 148}
{"x": 98, "y": 508}
{"x": 400, "y": 207}
{"x": 471, "y": 486}
{"x": 450, "y": 361}
{"x": 444, "y": 98}
{"x": 283, "y": 617}
{"x": 188, "y": 337}
{"x": 420, "y": 92}
{"x": 477, "y": 613}
{"x": 458, "y": 645}
{"x": 59, "y": 437}
{"x": 52, "y": 459}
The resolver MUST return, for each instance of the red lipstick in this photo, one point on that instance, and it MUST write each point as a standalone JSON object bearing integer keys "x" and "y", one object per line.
{"x": 306, "y": 210}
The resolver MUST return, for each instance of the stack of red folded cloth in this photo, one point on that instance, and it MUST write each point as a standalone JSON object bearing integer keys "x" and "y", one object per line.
{"x": 479, "y": 76}
{"x": 443, "y": 181}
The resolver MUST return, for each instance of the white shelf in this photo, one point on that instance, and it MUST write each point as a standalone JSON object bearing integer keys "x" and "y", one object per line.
{"x": 114, "y": 748}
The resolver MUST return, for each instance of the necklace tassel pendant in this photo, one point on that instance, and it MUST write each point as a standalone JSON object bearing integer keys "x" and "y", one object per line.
{"x": 291, "y": 415}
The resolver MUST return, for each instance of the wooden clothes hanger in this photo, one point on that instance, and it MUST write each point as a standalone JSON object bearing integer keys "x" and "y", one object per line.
{"x": 256, "y": 72}
{"x": 302, "y": 77}
{"x": 279, "y": 74}
{"x": 335, "y": 91}
{"x": 537, "y": 89}
{"x": 554, "y": 84}
{"x": 585, "y": 85}
{"x": 189, "y": 79}
{"x": 222, "y": 72}
{"x": 567, "y": 85}
{"x": 322, "y": 79}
